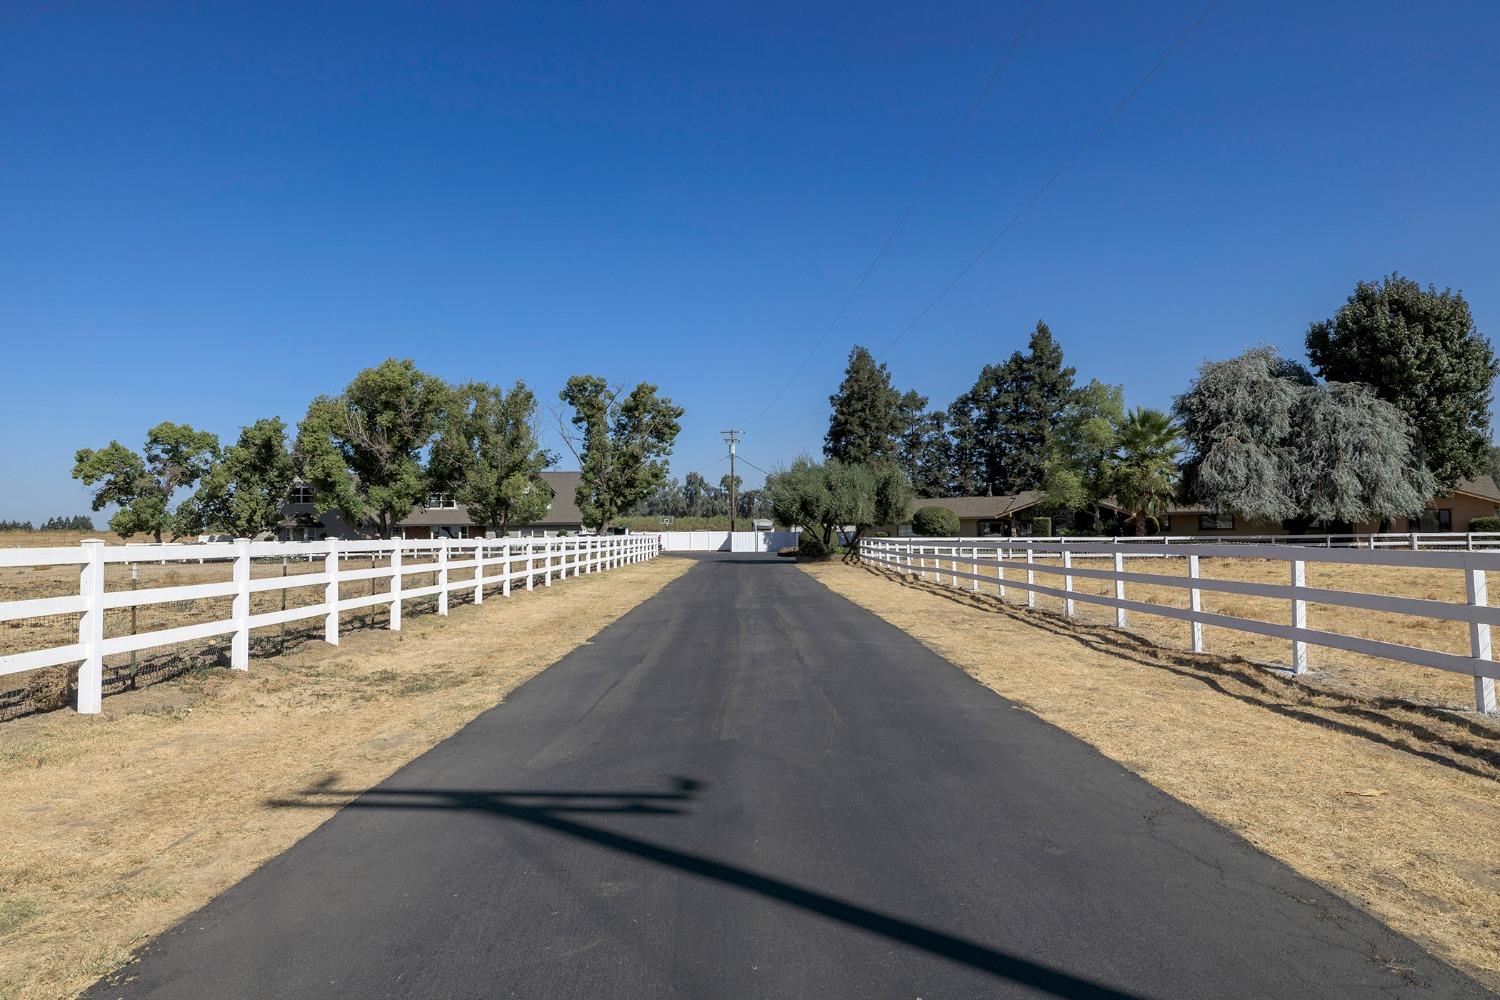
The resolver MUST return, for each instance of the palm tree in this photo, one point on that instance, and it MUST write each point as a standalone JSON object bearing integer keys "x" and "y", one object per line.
{"x": 1144, "y": 472}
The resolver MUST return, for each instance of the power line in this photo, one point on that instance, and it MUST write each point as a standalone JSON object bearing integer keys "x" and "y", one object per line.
{"x": 921, "y": 190}
{"x": 754, "y": 466}
{"x": 1058, "y": 173}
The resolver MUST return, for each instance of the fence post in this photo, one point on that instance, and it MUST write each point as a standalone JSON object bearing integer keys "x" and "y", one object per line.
{"x": 239, "y": 642}
{"x": 1195, "y": 602}
{"x": 331, "y": 593}
{"x": 1299, "y": 618}
{"x": 547, "y": 563}
{"x": 1479, "y": 640}
{"x": 1002, "y": 554}
{"x": 1119, "y": 587}
{"x": 577, "y": 544}
{"x": 479, "y": 571}
{"x": 505, "y": 570}
{"x": 1067, "y": 559}
{"x": 395, "y": 622}
{"x": 974, "y": 565}
{"x": 91, "y": 629}
{"x": 530, "y": 564}
{"x": 1030, "y": 577}
{"x": 442, "y": 576}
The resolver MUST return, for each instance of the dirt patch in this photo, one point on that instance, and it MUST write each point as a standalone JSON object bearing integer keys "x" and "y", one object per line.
{"x": 118, "y": 825}
{"x": 1393, "y": 805}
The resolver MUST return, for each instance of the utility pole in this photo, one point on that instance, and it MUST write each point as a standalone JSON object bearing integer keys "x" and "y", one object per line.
{"x": 731, "y": 438}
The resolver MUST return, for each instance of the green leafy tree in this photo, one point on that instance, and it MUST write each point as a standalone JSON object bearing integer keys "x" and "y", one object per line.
{"x": 1144, "y": 472}
{"x": 625, "y": 443}
{"x": 824, "y": 498}
{"x": 1082, "y": 449}
{"x": 1419, "y": 350}
{"x": 487, "y": 454}
{"x": 869, "y": 415}
{"x": 142, "y": 484}
{"x": 1267, "y": 441}
{"x": 80, "y": 522}
{"x": 362, "y": 450}
{"x": 242, "y": 493}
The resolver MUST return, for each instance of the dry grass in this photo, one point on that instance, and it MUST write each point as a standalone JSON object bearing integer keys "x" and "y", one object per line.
{"x": 47, "y": 539}
{"x": 165, "y": 662}
{"x": 118, "y": 825}
{"x": 1353, "y": 672}
{"x": 1396, "y": 807}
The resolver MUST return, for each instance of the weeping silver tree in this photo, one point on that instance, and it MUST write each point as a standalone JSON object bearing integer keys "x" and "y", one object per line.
{"x": 1269, "y": 442}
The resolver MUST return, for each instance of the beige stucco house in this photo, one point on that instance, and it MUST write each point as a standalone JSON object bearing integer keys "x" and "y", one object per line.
{"x": 1478, "y": 497}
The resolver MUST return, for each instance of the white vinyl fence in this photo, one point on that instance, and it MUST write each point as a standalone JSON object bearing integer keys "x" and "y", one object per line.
{"x": 941, "y": 559}
{"x": 1468, "y": 541}
{"x": 491, "y": 562}
{"x": 726, "y": 541}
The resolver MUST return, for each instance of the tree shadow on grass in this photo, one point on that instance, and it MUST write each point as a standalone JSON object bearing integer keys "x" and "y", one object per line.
{"x": 1283, "y": 696}
{"x": 555, "y": 811}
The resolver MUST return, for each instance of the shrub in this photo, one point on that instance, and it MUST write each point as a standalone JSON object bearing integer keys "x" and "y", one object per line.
{"x": 1487, "y": 523}
{"x": 1041, "y": 527}
{"x": 934, "y": 522}
{"x": 810, "y": 546}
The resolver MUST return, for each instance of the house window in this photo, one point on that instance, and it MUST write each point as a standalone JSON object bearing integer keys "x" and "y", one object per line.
{"x": 302, "y": 494}
{"x": 440, "y": 501}
{"x": 1432, "y": 520}
{"x": 1166, "y": 524}
{"x": 1215, "y": 522}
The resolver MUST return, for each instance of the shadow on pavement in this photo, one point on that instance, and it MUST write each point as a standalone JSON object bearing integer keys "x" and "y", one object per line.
{"x": 550, "y": 810}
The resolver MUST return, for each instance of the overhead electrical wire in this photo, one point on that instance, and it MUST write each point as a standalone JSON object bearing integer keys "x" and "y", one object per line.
{"x": 921, "y": 190}
{"x": 974, "y": 261}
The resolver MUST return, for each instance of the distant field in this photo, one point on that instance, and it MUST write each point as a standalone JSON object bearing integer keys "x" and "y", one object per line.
{"x": 43, "y": 539}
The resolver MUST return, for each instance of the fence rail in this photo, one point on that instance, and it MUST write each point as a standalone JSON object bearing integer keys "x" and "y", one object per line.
{"x": 497, "y": 562}
{"x": 924, "y": 557}
{"x": 1468, "y": 541}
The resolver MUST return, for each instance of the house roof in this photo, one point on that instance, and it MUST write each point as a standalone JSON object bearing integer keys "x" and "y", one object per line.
{"x": 1480, "y": 486}
{"x": 563, "y": 510}
{"x": 982, "y": 507}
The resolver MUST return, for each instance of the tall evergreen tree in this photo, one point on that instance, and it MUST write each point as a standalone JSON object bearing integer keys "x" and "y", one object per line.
{"x": 964, "y": 472}
{"x": 1418, "y": 349}
{"x": 868, "y": 413}
{"x": 1014, "y": 407}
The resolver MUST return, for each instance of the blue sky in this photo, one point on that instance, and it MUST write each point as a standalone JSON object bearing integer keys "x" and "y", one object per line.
{"x": 212, "y": 214}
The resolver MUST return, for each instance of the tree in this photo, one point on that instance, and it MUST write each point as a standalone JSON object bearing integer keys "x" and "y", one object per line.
{"x": 935, "y": 522}
{"x": 927, "y": 455}
{"x": 694, "y": 495}
{"x": 964, "y": 470}
{"x": 868, "y": 413}
{"x": 79, "y": 522}
{"x": 626, "y": 441}
{"x": 824, "y": 498}
{"x": 486, "y": 454}
{"x": 243, "y": 491}
{"x": 1268, "y": 442}
{"x": 1014, "y": 407}
{"x": 142, "y": 485}
{"x": 361, "y": 451}
{"x": 1143, "y": 474}
{"x": 1084, "y": 442}
{"x": 1420, "y": 351}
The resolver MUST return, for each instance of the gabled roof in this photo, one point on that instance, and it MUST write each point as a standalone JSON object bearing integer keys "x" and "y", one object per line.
{"x": 1480, "y": 486}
